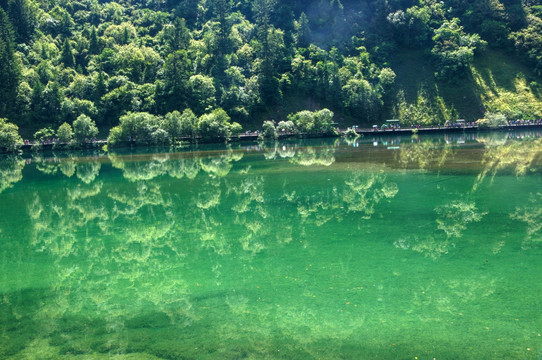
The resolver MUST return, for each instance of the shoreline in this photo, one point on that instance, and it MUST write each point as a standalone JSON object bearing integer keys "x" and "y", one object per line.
{"x": 98, "y": 144}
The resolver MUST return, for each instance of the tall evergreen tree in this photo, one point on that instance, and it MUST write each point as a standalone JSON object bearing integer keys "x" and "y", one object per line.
{"x": 303, "y": 31}
{"x": 174, "y": 90}
{"x": 268, "y": 83}
{"x": 100, "y": 88}
{"x": 23, "y": 18}
{"x": 36, "y": 102}
{"x": 94, "y": 45}
{"x": 66, "y": 56}
{"x": 179, "y": 36}
{"x": 10, "y": 71}
{"x": 222, "y": 47}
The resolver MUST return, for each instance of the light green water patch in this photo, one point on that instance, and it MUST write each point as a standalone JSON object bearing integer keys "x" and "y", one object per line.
{"x": 282, "y": 251}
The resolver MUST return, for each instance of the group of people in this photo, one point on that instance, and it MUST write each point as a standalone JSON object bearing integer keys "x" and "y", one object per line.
{"x": 524, "y": 122}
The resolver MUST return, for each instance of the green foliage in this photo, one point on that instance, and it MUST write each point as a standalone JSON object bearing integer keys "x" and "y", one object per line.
{"x": 454, "y": 49}
{"x": 303, "y": 120}
{"x": 66, "y": 56}
{"x": 268, "y": 130}
{"x": 386, "y": 77}
{"x": 10, "y": 71}
{"x": 84, "y": 128}
{"x": 10, "y": 140}
{"x": 145, "y": 128}
{"x": 176, "y": 73}
{"x": 323, "y": 122}
{"x": 138, "y": 126}
{"x": 529, "y": 41}
{"x": 61, "y": 59}
{"x": 64, "y": 133}
{"x": 317, "y": 122}
{"x": 44, "y": 134}
{"x": 202, "y": 92}
{"x": 236, "y": 129}
{"x": 425, "y": 111}
{"x": 351, "y": 134}
{"x": 181, "y": 125}
{"x": 287, "y": 127}
{"x": 215, "y": 125}
{"x": 492, "y": 120}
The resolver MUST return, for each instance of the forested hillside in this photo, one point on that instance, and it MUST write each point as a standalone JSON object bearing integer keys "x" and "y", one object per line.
{"x": 420, "y": 61}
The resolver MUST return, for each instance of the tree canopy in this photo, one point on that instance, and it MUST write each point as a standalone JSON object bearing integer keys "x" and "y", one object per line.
{"x": 105, "y": 60}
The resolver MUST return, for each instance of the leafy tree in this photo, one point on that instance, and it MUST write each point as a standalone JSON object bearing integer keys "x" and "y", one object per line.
{"x": 181, "y": 125}
{"x": 176, "y": 36}
{"x": 222, "y": 9}
{"x": 51, "y": 101}
{"x": 215, "y": 125}
{"x": 529, "y": 41}
{"x": 10, "y": 140}
{"x": 361, "y": 98}
{"x": 262, "y": 10}
{"x": 492, "y": 120}
{"x": 303, "y": 120}
{"x": 189, "y": 123}
{"x": 100, "y": 89}
{"x": 84, "y": 128}
{"x": 286, "y": 127}
{"x": 44, "y": 134}
{"x": 140, "y": 64}
{"x": 386, "y": 78}
{"x": 138, "y": 126}
{"x": 323, "y": 122}
{"x": 268, "y": 130}
{"x": 121, "y": 34}
{"x": 236, "y": 129}
{"x": 94, "y": 45}
{"x": 454, "y": 49}
{"x": 65, "y": 133}
{"x": 59, "y": 22}
{"x": 202, "y": 92}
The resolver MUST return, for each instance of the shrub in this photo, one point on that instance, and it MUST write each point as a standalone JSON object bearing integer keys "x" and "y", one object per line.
{"x": 84, "y": 128}
{"x": 351, "y": 134}
{"x": 268, "y": 130}
{"x": 215, "y": 125}
{"x": 10, "y": 140}
{"x": 236, "y": 129}
{"x": 140, "y": 127}
{"x": 44, "y": 134}
{"x": 64, "y": 133}
{"x": 492, "y": 120}
{"x": 313, "y": 122}
{"x": 286, "y": 127}
{"x": 323, "y": 122}
{"x": 303, "y": 120}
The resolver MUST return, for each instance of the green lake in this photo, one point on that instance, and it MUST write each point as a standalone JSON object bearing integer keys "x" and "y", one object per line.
{"x": 381, "y": 248}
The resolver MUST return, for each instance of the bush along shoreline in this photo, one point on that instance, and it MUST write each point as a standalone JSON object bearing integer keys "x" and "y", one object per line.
{"x": 177, "y": 129}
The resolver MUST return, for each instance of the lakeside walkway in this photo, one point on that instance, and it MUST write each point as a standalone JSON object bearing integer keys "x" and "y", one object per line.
{"x": 253, "y": 136}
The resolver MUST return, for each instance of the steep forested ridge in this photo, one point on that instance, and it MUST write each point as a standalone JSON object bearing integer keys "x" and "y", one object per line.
{"x": 421, "y": 61}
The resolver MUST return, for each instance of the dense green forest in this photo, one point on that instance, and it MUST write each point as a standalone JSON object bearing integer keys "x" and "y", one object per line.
{"x": 239, "y": 63}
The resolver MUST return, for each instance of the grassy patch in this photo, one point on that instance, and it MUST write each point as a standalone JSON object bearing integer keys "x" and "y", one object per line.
{"x": 498, "y": 82}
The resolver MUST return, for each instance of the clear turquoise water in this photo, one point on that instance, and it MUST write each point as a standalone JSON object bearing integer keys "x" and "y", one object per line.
{"x": 385, "y": 248}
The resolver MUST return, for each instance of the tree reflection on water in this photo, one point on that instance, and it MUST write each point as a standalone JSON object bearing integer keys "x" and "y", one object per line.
{"x": 11, "y": 171}
{"x": 125, "y": 240}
